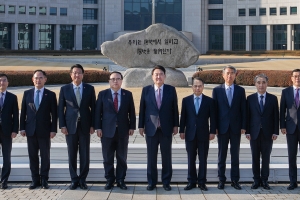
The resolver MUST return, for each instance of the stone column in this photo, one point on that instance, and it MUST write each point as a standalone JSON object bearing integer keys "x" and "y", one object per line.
{"x": 78, "y": 37}
{"x": 14, "y": 36}
{"x": 248, "y": 38}
{"x": 269, "y": 37}
{"x": 227, "y": 38}
{"x": 57, "y": 37}
{"x": 36, "y": 37}
{"x": 289, "y": 37}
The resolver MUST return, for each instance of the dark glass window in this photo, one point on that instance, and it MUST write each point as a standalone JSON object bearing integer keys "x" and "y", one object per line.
{"x": 279, "y": 37}
{"x": 138, "y": 13}
{"x": 11, "y": 9}
{"x": 297, "y": 37}
{"x": 53, "y": 11}
{"x": 215, "y": 14}
{"x": 89, "y": 13}
{"x": 89, "y": 37}
{"x": 43, "y": 11}
{"x": 242, "y": 12}
{"x": 283, "y": 11}
{"x": 262, "y": 11}
{"x": 32, "y": 10}
{"x": 252, "y": 11}
{"x": 63, "y": 11}
{"x": 215, "y": 37}
{"x": 293, "y": 11}
{"x": 215, "y": 2}
{"x": 238, "y": 38}
{"x": 46, "y": 37}
{"x": 5, "y": 36}
{"x": 90, "y": 1}
{"x": 2, "y": 8}
{"x": 25, "y": 36}
{"x": 273, "y": 11}
{"x": 66, "y": 37}
{"x": 259, "y": 37}
{"x": 22, "y": 10}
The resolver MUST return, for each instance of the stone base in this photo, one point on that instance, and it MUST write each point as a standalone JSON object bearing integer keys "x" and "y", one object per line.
{"x": 140, "y": 77}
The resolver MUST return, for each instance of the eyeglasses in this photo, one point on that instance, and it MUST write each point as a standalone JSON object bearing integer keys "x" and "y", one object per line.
{"x": 296, "y": 77}
{"x": 77, "y": 73}
{"x": 115, "y": 79}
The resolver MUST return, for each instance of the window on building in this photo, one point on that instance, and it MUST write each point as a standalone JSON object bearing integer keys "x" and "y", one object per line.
{"x": 63, "y": 11}
{"x": 43, "y": 11}
{"x": 216, "y": 37}
{"x": 259, "y": 37}
{"x": 46, "y": 37}
{"x": 297, "y": 36}
{"x": 53, "y": 11}
{"x": 273, "y": 11}
{"x": 89, "y": 13}
{"x": 293, "y": 11}
{"x": 242, "y": 12}
{"x": 32, "y": 10}
{"x": 262, "y": 11}
{"x": 11, "y": 9}
{"x": 283, "y": 11}
{"x": 25, "y": 36}
{"x": 252, "y": 11}
{"x": 215, "y": 2}
{"x": 89, "y": 37}
{"x": 215, "y": 14}
{"x": 67, "y": 33}
{"x": 2, "y": 8}
{"x": 22, "y": 9}
{"x": 279, "y": 37}
{"x": 238, "y": 38}
{"x": 90, "y": 1}
{"x": 5, "y": 36}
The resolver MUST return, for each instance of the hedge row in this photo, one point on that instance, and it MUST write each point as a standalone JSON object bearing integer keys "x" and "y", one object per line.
{"x": 24, "y": 78}
{"x": 277, "y": 78}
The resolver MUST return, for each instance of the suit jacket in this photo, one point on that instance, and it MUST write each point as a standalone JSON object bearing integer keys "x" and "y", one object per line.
{"x": 68, "y": 108}
{"x": 167, "y": 114}
{"x": 41, "y": 121}
{"x": 10, "y": 114}
{"x": 268, "y": 120}
{"x": 289, "y": 114}
{"x": 193, "y": 124}
{"x": 106, "y": 117}
{"x": 233, "y": 116}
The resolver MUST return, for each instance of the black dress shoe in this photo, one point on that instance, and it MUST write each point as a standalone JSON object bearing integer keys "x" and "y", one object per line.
{"x": 255, "y": 185}
{"x": 45, "y": 184}
{"x": 221, "y": 185}
{"x": 109, "y": 185}
{"x": 190, "y": 186}
{"x": 202, "y": 187}
{"x": 82, "y": 185}
{"x": 34, "y": 185}
{"x": 151, "y": 187}
{"x": 265, "y": 185}
{"x": 292, "y": 186}
{"x": 167, "y": 187}
{"x": 122, "y": 185}
{"x": 4, "y": 185}
{"x": 73, "y": 185}
{"x": 236, "y": 185}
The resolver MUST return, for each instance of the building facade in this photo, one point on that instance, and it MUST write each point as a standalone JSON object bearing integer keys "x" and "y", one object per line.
{"x": 236, "y": 25}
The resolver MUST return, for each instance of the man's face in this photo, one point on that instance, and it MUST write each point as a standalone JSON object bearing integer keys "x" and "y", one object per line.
{"x": 296, "y": 79}
{"x": 261, "y": 85}
{"x": 229, "y": 76}
{"x": 115, "y": 81}
{"x": 76, "y": 75}
{"x": 39, "y": 80}
{"x": 158, "y": 77}
{"x": 3, "y": 83}
{"x": 197, "y": 87}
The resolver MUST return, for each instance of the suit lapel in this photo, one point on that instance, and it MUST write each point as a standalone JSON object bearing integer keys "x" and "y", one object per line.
{"x": 108, "y": 96}
{"x": 202, "y": 104}
{"x": 223, "y": 91}
{"x": 31, "y": 100}
{"x": 152, "y": 96}
{"x": 123, "y": 96}
{"x": 73, "y": 95}
{"x": 7, "y": 97}
{"x": 266, "y": 101}
{"x": 292, "y": 97}
{"x": 45, "y": 95}
{"x": 164, "y": 97}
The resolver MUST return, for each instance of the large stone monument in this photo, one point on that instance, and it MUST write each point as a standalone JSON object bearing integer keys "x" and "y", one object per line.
{"x": 140, "y": 51}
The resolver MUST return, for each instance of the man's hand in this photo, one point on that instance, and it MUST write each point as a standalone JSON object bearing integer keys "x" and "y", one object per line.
{"x": 274, "y": 137}
{"x": 141, "y": 130}
{"x": 64, "y": 131}
{"x": 243, "y": 131}
{"x": 13, "y": 135}
{"x": 92, "y": 130}
{"x": 248, "y": 136}
{"x": 52, "y": 134}
{"x": 131, "y": 131}
{"x": 211, "y": 136}
{"x": 175, "y": 130}
{"x": 23, "y": 133}
{"x": 283, "y": 131}
{"x": 182, "y": 136}
{"x": 99, "y": 133}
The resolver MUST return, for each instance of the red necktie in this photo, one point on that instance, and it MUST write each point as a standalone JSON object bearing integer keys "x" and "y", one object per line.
{"x": 116, "y": 102}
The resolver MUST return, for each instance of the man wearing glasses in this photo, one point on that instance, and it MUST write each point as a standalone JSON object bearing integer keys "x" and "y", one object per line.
{"x": 76, "y": 120}
{"x": 115, "y": 122}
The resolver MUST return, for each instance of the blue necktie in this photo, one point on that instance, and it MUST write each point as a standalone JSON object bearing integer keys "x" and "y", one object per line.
{"x": 261, "y": 103}
{"x": 37, "y": 100}
{"x": 229, "y": 95}
{"x": 197, "y": 105}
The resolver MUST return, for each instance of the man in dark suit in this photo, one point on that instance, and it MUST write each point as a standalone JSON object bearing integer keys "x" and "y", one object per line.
{"x": 76, "y": 109}
{"x": 115, "y": 122}
{"x": 158, "y": 119}
{"x": 290, "y": 124}
{"x": 231, "y": 123}
{"x": 38, "y": 122}
{"x": 262, "y": 129}
{"x": 9, "y": 125}
{"x": 196, "y": 111}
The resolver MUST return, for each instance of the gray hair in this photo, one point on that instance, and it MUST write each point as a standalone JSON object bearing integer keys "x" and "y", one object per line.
{"x": 229, "y": 67}
{"x": 261, "y": 76}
